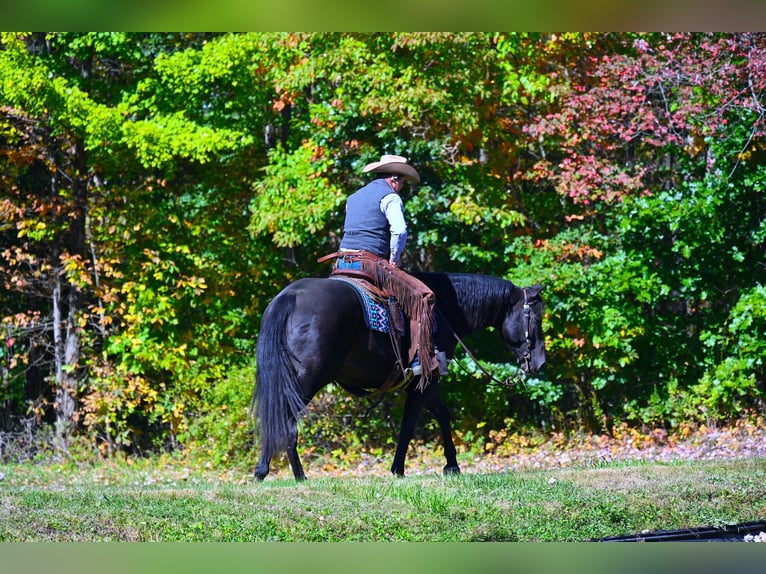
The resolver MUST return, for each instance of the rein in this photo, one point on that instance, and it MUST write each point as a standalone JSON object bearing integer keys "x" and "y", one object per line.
{"x": 508, "y": 381}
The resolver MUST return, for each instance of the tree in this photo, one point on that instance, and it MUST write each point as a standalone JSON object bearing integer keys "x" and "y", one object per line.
{"x": 102, "y": 174}
{"x": 650, "y": 144}
{"x": 157, "y": 190}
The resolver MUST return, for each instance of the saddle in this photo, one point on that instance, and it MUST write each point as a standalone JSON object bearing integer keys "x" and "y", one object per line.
{"x": 382, "y": 311}
{"x": 359, "y": 268}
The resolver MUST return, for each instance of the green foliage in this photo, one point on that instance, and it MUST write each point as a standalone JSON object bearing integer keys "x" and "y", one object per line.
{"x": 295, "y": 197}
{"x": 167, "y": 186}
{"x": 348, "y": 429}
{"x": 221, "y": 432}
{"x": 736, "y": 381}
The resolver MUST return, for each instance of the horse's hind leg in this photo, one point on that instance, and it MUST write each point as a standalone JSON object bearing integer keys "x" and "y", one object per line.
{"x": 440, "y": 411}
{"x": 292, "y": 455}
{"x": 262, "y": 468}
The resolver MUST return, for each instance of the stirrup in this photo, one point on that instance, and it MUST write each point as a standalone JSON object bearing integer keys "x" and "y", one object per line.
{"x": 407, "y": 376}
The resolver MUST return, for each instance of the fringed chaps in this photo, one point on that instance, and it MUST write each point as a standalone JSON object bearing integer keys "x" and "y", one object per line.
{"x": 415, "y": 298}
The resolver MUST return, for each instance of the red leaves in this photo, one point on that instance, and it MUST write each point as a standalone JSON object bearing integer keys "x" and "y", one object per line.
{"x": 628, "y": 107}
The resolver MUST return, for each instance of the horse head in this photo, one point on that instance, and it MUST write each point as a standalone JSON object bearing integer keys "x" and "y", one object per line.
{"x": 522, "y": 329}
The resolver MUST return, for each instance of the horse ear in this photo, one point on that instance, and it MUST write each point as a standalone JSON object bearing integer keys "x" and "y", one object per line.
{"x": 535, "y": 290}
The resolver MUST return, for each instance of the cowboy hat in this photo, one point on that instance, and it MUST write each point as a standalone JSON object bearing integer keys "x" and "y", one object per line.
{"x": 393, "y": 164}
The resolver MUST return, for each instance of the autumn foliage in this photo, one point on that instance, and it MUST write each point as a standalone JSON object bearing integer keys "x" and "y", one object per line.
{"x": 156, "y": 190}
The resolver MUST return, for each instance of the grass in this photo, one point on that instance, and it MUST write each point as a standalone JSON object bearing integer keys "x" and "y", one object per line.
{"x": 151, "y": 502}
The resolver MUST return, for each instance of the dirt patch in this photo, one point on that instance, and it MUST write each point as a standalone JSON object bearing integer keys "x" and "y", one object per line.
{"x": 746, "y": 439}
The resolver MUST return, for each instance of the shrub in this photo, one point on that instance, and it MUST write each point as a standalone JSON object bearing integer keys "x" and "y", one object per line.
{"x": 222, "y": 433}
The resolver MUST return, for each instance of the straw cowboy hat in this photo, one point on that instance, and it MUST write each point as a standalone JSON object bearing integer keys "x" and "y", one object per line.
{"x": 393, "y": 164}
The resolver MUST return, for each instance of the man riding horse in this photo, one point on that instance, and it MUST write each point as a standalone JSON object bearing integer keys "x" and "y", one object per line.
{"x": 315, "y": 332}
{"x": 374, "y": 238}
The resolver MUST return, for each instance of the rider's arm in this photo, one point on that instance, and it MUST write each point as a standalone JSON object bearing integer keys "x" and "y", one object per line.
{"x": 393, "y": 207}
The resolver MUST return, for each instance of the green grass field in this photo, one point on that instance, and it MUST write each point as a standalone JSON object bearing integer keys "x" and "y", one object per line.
{"x": 165, "y": 502}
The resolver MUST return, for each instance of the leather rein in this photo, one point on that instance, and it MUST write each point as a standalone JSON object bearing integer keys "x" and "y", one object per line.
{"x": 511, "y": 380}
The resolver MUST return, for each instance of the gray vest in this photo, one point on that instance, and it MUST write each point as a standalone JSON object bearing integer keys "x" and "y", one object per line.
{"x": 366, "y": 225}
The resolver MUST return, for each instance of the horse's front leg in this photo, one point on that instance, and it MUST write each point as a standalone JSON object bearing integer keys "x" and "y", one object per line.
{"x": 440, "y": 411}
{"x": 412, "y": 407}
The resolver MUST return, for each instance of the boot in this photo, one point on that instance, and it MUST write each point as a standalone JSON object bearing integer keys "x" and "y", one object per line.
{"x": 441, "y": 356}
{"x": 439, "y": 362}
{"x": 415, "y": 367}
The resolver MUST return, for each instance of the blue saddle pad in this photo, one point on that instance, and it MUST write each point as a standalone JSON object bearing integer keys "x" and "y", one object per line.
{"x": 375, "y": 313}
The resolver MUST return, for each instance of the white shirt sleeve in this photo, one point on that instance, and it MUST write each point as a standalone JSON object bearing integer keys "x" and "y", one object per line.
{"x": 393, "y": 208}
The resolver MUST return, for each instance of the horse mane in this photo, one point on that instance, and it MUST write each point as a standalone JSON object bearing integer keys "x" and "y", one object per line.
{"x": 488, "y": 297}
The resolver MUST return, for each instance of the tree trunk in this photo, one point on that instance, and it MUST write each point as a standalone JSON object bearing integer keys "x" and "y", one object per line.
{"x": 67, "y": 305}
{"x": 66, "y": 343}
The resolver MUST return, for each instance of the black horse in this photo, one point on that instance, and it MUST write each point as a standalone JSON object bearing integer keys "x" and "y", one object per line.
{"x": 314, "y": 333}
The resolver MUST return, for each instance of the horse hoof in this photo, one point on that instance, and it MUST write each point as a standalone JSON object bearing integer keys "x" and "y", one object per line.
{"x": 451, "y": 470}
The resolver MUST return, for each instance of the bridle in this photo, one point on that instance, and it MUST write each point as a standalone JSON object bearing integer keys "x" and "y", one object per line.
{"x": 526, "y": 355}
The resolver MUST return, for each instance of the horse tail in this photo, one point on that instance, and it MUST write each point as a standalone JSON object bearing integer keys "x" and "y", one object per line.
{"x": 277, "y": 401}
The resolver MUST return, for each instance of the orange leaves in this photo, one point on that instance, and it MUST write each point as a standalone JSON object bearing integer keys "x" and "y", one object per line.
{"x": 280, "y": 104}
{"x": 24, "y": 269}
{"x": 9, "y": 212}
{"x": 566, "y": 251}
{"x": 76, "y": 272}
